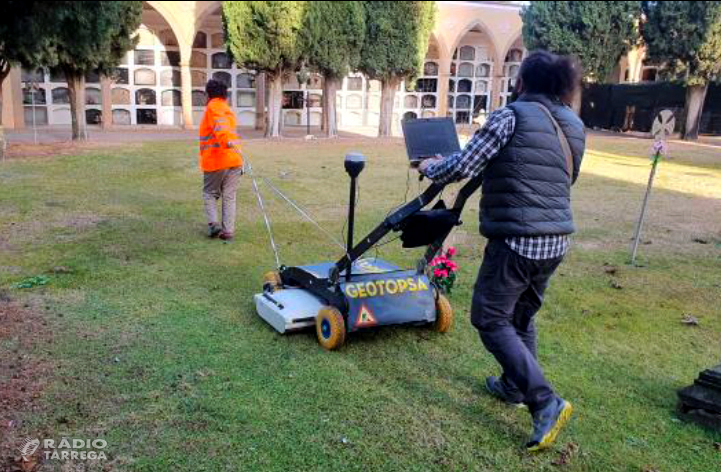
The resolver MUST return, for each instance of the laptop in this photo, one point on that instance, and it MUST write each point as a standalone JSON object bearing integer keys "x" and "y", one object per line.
{"x": 426, "y": 137}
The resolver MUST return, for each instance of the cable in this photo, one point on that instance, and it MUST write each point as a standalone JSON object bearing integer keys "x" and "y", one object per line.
{"x": 303, "y": 213}
{"x": 405, "y": 196}
{"x": 265, "y": 214}
{"x": 379, "y": 245}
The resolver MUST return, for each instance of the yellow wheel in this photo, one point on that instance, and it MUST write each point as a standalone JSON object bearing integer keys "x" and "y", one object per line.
{"x": 444, "y": 314}
{"x": 272, "y": 281}
{"x": 330, "y": 328}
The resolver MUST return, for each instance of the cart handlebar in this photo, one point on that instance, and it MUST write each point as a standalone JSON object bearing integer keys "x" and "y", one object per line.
{"x": 393, "y": 221}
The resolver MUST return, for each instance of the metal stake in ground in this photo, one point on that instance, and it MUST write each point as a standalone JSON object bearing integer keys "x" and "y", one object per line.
{"x": 34, "y": 88}
{"x": 663, "y": 126}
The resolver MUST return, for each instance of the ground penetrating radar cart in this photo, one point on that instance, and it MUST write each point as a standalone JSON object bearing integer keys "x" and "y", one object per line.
{"x": 357, "y": 293}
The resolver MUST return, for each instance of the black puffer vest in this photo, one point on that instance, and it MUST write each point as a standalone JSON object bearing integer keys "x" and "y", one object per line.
{"x": 526, "y": 188}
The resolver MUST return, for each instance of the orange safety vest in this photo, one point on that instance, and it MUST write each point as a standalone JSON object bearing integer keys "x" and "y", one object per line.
{"x": 219, "y": 143}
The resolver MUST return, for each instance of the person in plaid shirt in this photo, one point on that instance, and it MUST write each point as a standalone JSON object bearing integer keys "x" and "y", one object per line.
{"x": 526, "y": 216}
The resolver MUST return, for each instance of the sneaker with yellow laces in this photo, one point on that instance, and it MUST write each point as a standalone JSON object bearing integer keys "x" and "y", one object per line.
{"x": 548, "y": 422}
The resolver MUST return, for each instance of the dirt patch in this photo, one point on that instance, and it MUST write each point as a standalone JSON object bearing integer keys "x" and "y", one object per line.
{"x": 7, "y": 269}
{"x": 23, "y": 375}
{"x": 79, "y": 221}
{"x": 39, "y": 151}
{"x": 17, "y": 234}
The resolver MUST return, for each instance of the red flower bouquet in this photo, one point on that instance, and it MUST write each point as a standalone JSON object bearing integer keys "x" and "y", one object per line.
{"x": 443, "y": 270}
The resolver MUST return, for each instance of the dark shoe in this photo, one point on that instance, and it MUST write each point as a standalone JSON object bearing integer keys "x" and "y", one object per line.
{"x": 214, "y": 230}
{"x": 498, "y": 389}
{"x": 547, "y": 423}
{"x": 228, "y": 237}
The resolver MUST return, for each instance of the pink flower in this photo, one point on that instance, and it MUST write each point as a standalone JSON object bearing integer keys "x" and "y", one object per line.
{"x": 443, "y": 273}
{"x": 659, "y": 147}
{"x": 437, "y": 272}
{"x": 451, "y": 251}
{"x": 452, "y": 266}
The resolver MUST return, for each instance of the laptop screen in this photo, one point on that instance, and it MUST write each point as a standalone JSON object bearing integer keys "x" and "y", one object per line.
{"x": 426, "y": 137}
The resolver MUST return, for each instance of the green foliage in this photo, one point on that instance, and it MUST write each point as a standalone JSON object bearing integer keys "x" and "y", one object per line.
{"x": 685, "y": 37}
{"x": 264, "y": 35}
{"x": 396, "y": 39}
{"x": 86, "y": 36}
{"x": 598, "y": 33}
{"x": 23, "y": 36}
{"x": 332, "y": 37}
{"x": 31, "y": 282}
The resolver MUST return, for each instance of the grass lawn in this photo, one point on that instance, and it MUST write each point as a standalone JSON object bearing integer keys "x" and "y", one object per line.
{"x": 146, "y": 334}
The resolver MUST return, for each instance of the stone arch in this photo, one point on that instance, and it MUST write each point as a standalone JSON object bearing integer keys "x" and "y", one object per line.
{"x": 471, "y": 25}
{"x": 510, "y": 67}
{"x": 440, "y": 43}
{"x": 177, "y": 18}
{"x": 204, "y": 10}
{"x": 203, "y": 23}
{"x": 515, "y": 38}
{"x": 168, "y": 14}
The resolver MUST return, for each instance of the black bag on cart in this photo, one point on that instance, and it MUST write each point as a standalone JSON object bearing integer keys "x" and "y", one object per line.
{"x": 425, "y": 227}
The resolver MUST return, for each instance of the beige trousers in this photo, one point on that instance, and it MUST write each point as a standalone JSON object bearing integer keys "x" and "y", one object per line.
{"x": 221, "y": 184}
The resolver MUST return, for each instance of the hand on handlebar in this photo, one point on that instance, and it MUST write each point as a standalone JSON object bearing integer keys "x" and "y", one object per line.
{"x": 428, "y": 162}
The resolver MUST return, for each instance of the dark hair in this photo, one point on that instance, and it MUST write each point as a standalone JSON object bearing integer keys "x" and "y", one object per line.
{"x": 548, "y": 74}
{"x": 216, "y": 89}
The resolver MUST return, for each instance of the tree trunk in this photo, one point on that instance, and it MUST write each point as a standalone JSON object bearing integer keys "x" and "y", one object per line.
{"x": 261, "y": 121}
{"x": 4, "y": 72}
{"x": 388, "y": 94}
{"x": 695, "y": 97}
{"x": 275, "y": 104}
{"x": 330, "y": 117}
{"x": 76, "y": 90}
{"x": 106, "y": 105}
{"x": 577, "y": 100}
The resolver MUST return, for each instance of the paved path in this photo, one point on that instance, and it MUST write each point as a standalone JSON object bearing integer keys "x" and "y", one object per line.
{"x": 61, "y": 134}
{"x": 703, "y": 141}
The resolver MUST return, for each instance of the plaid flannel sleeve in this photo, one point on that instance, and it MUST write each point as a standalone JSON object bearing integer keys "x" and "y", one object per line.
{"x": 485, "y": 144}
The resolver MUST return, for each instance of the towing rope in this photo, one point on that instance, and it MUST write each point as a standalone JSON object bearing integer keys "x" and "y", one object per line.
{"x": 293, "y": 204}
{"x": 303, "y": 213}
{"x": 265, "y": 214}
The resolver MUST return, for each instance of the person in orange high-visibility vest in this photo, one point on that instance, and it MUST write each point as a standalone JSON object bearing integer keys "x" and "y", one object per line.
{"x": 220, "y": 160}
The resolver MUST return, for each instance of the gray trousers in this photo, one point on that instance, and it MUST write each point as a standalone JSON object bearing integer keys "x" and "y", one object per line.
{"x": 221, "y": 184}
{"x": 507, "y": 295}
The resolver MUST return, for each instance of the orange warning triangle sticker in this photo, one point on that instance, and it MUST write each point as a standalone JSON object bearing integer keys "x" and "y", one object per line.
{"x": 365, "y": 317}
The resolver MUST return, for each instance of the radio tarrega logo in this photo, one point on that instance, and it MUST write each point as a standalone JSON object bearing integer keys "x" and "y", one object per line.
{"x": 65, "y": 449}
{"x": 28, "y": 448}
